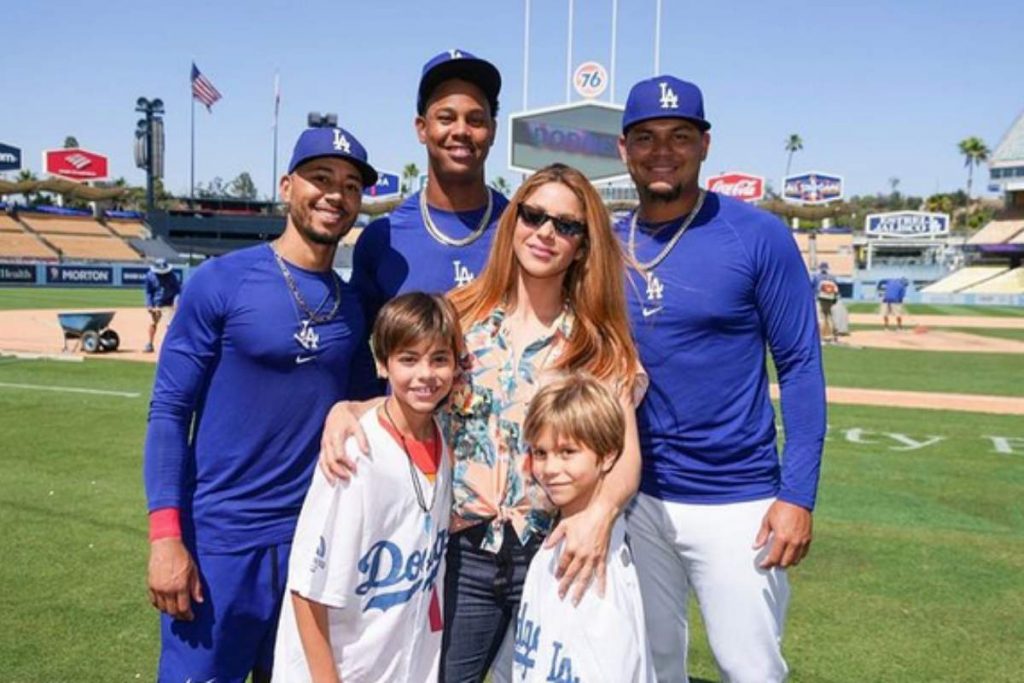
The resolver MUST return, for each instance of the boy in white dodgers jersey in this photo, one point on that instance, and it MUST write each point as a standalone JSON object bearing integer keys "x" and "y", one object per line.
{"x": 575, "y": 429}
{"x": 366, "y": 567}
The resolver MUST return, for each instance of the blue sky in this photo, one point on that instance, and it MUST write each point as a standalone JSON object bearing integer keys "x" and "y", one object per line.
{"x": 876, "y": 89}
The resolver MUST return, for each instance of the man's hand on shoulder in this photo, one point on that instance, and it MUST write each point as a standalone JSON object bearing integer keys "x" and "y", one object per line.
{"x": 788, "y": 528}
{"x": 173, "y": 578}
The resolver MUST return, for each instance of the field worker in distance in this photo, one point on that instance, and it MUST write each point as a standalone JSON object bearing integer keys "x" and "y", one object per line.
{"x": 162, "y": 290}
{"x": 894, "y": 290}
{"x": 717, "y": 284}
{"x": 367, "y": 563}
{"x": 575, "y": 430}
{"x": 438, "y": 238}
{"x": 260, "y": 348}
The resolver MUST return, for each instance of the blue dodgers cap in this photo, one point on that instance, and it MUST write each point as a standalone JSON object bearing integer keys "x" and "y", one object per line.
{"x": 332, "y": 142}
{"x": 664, "y": 97}
{"x": 463, "y": 65}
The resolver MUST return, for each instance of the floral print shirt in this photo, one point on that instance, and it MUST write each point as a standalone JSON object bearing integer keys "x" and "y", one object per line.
{"x": 492, "y": 482}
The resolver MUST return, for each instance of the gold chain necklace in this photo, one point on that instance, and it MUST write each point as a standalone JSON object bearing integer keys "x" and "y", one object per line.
{"x": 653, "y": 263}
{"x": 436, "y": 233}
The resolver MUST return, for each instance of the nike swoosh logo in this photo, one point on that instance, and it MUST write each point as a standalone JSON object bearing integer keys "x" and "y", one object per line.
{"x": 648, "y": 312}
{"x": 299, "y": 360}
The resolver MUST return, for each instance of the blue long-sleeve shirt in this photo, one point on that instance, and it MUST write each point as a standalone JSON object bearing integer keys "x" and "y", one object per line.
{"x": 161, "y": 289}
{"x": 238, "y": 404}
{"x": 734, "y": 285}
{"x": 395, "y": 254}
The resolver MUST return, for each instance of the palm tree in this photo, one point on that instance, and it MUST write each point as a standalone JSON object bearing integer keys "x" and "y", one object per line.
{"x": 410, "y": 172}
{"x": 793, "y": 145}
{"x": 975, "y": 152}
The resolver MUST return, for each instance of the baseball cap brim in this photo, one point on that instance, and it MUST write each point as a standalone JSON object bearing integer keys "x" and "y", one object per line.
{"x": 703, "y": 125}
{"x": 479, "y": 72}
{"x": 368, "y": 173}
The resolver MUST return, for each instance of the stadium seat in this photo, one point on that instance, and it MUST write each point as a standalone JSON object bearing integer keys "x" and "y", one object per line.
{"x": 23, "y": 246}
{"x": 998, "y": 232}
{"x": 93, "y": 248}
{"x": 65, "y": 226}
{"x": 127, "y": 228}
{"x": 964, "y": 278}
{"x": 1010, "y": 282}
{"x": 8, "y": 224}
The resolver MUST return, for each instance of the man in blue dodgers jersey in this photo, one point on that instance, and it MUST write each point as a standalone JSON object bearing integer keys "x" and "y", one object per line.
{"x": 718, "y": 280}
{"x": 439, "y": 237}
{"x": 259, "y": 350}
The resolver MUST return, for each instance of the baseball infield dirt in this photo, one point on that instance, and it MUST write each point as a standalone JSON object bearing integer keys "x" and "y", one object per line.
{"x": 37, "y": 332}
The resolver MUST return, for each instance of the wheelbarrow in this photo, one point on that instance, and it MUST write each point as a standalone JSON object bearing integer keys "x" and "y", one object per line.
{"x": 91, "y": 330}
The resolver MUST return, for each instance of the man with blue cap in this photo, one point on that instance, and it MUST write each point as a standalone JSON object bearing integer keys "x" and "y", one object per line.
{"x": 439, "y": 237}
{"x": 260, "y": 348}
{"x": 717, "y": 282}
{"x": 162, "y": 289}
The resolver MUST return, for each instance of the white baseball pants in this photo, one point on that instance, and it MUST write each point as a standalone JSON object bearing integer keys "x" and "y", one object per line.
{"x": 707, "y": 548}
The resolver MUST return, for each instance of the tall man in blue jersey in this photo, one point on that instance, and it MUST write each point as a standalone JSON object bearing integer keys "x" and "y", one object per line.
{"x": 439, "y": 238}
{"x": 719, "y": 281}
{"x": 259, "y": 350}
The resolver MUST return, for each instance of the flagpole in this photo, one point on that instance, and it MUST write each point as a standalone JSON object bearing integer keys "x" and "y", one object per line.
{"x": 192, "y": 156}
{"x": 277, "y": 106}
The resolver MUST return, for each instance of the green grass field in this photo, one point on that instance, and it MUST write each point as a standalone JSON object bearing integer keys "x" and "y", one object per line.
{"x": 941, "y": 309}
{"x": 916, "y": 573}
{"x": 37, "y": 297}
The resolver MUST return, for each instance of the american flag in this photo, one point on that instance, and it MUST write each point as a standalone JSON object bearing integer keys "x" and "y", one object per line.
{"x": 202, "y": 88}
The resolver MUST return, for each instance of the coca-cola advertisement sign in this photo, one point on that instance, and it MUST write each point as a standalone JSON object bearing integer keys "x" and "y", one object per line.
{"x": 749, "y": 188}
{"x": 75, "y": 164}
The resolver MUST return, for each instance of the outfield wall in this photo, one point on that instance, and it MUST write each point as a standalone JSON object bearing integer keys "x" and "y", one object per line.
{"x": 63, "y": 275}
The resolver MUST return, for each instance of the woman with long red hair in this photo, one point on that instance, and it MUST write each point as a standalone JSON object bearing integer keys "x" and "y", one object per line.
{"x": 549, "y": 302}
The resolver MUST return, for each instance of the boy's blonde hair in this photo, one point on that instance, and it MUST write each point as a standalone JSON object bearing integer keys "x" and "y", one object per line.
{"x": 410, "y": 318}
{"x": 580, "y": 408}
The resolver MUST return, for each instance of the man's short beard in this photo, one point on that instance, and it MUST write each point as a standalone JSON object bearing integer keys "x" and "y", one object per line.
{"x": 327, "y": 240}
{"x": 662, "y": 196}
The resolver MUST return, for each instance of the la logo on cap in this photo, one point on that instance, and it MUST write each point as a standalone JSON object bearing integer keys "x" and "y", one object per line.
{"x": 455, "y": 54}
{"x": 669, "y": 99}
{"x": 341, "y": 142}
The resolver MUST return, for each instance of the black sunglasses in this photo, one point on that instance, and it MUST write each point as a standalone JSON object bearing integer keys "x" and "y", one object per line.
{"x": 534, "y": 218}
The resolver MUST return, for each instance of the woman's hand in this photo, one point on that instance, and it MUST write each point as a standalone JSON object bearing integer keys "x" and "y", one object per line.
{"x": 586, "y": 536}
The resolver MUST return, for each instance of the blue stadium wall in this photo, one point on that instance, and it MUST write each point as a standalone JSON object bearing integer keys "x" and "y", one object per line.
{"x": 64, "y": 275}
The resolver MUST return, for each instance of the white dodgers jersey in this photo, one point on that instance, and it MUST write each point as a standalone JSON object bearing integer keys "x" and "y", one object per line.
{"x": 602, "y": 640}
{"x": 366, "y": 550}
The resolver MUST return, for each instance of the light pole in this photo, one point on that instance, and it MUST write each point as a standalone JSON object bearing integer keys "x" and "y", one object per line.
{"x": 151, "y": 128}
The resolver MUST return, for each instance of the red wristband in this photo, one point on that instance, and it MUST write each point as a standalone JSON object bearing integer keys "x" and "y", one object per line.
{"x": 164, "y": 523}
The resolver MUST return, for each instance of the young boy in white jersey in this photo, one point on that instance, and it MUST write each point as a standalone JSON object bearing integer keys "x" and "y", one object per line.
{"x": 366, "y": 566}
{"x": 575, "y": 429}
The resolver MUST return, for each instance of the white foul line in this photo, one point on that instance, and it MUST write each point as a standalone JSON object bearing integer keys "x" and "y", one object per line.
{"x": 70, "y": 390}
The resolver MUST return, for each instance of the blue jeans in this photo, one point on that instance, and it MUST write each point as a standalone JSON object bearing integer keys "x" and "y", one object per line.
{"x": 481, "y": 598}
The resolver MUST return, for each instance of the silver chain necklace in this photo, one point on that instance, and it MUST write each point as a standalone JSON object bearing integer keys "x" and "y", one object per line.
{"x": 307, "y": 336}
{"x": 653, "y": 263}
{"x": 436, "y": 233}
{"x": 420, "y": 498}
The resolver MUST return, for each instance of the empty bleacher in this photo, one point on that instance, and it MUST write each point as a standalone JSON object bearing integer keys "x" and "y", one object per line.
{"x": 1010, "y": 282}
{"x": 22, "y": 245}
{"x": 127, "y": 228}
{"x": 74, "y": 238}
{"x": 65, "y": 226}
{"x": 964, "y": 278}
{"x": 92, "y": 248}
{"x": 999, "y": 232}
{"x": 8, "y": 224}
{"x": 832, "y": 248}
